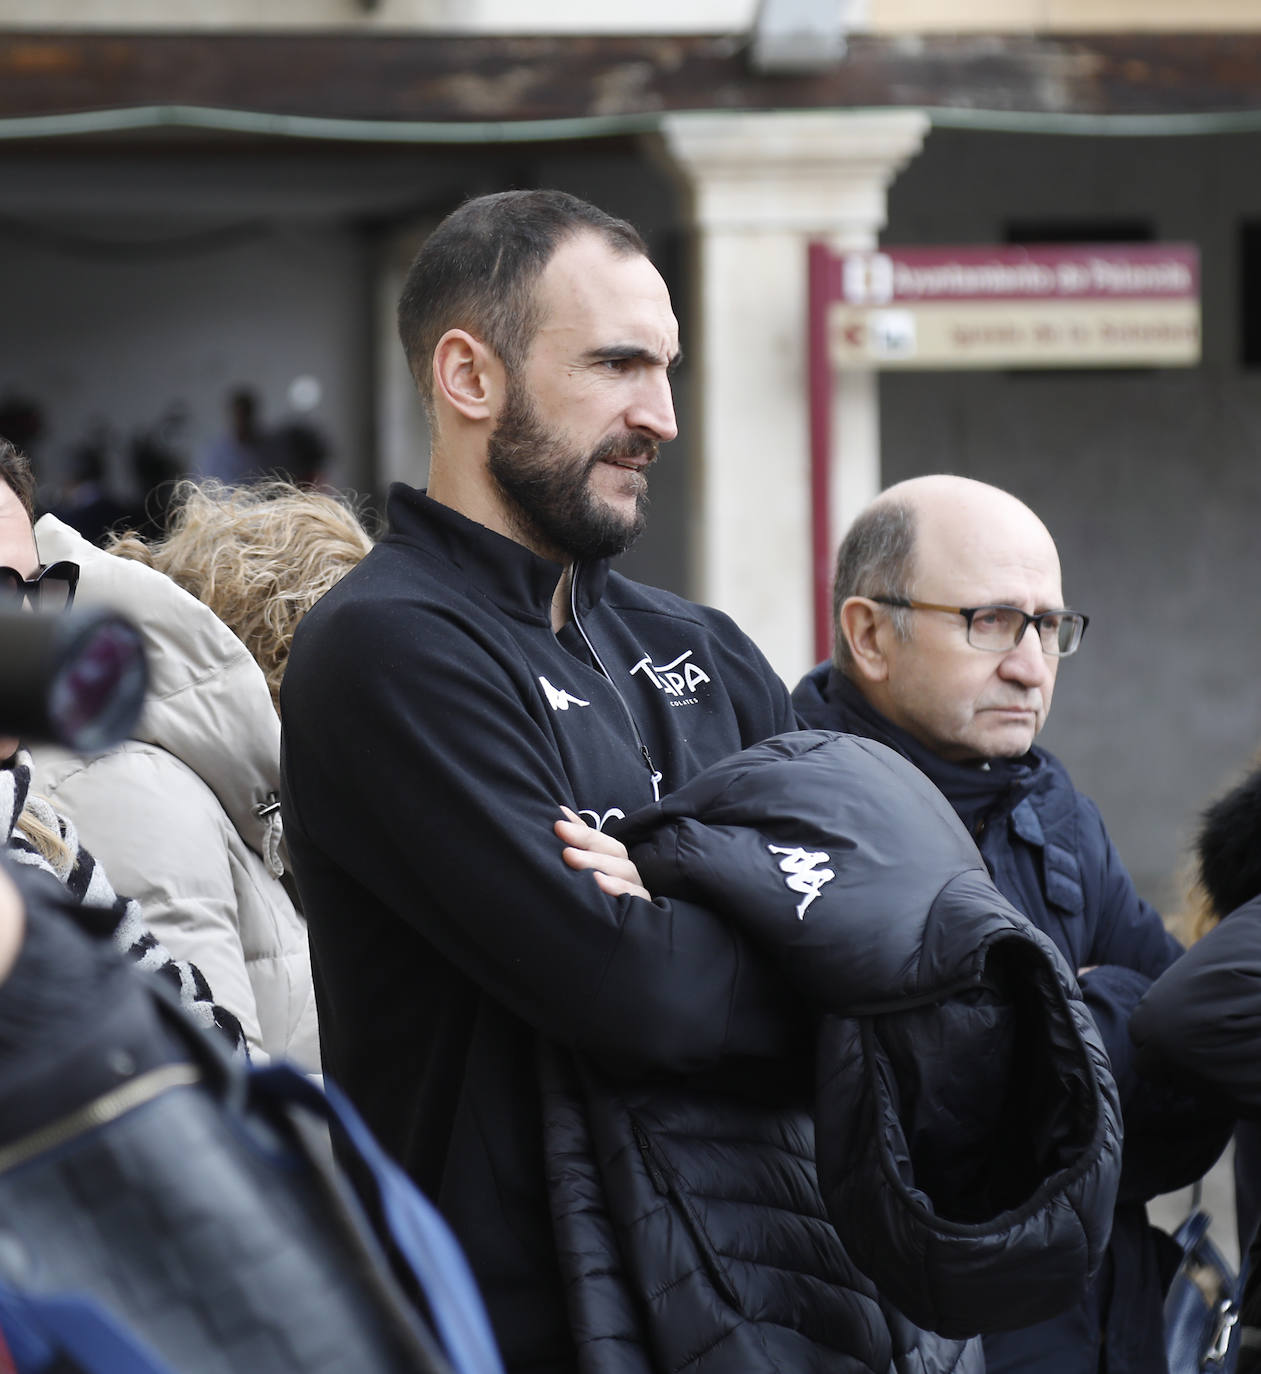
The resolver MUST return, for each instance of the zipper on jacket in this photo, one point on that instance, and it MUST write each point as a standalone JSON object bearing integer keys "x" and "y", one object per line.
{"x": 109, "y": 1106}
{"x": 683, "y": 1208}
{"x": 645, "y": 1151}
{"x": 654, "y": 772}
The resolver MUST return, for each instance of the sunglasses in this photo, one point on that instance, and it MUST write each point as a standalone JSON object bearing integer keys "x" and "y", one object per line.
{"x": 51, "y": 589}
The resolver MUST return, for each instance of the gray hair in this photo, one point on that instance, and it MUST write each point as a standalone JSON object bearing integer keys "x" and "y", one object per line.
{"x": 874, "y": 560}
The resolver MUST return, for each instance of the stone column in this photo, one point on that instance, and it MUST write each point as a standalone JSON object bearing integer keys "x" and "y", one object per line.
{"x": 762, "y": 187}
{"x": 401, "y": 427}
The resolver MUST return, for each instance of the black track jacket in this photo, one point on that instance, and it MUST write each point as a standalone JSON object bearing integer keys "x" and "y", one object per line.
{"x": 433, "y": 726}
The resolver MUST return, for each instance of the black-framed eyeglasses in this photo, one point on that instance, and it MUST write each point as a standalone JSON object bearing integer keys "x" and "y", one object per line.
{"x": 999, "y": 629}
{"x": 51, "y": 589}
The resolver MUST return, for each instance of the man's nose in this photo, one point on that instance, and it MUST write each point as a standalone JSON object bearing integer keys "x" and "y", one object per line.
{"x": 1026, "y": 663}
{"x": 653, "y": 409}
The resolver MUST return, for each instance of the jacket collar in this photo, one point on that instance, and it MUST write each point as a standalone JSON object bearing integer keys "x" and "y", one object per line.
{"x": 973, "y": 789}
{"x": 517, "y": 581}
{"x": 207, "y": 701}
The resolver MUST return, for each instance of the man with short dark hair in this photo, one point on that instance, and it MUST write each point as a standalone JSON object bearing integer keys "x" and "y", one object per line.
{"x": 483, "y": 688}
{"x": 950, "y": 627}
{"x": 608, "y": 1095}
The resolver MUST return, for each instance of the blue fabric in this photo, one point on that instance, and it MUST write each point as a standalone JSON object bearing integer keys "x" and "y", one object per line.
{"x": 43, "y": 1329}
{"x": 422, "y": 1237}
{"x": 44, "y": 1332}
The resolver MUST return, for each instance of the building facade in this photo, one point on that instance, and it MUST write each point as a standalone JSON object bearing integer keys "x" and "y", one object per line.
{"x": 194, "y": 204}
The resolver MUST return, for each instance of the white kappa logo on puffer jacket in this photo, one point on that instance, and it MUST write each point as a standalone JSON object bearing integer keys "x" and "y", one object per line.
{"x": 804, "y": 875}
{"x": 558, "y": 699}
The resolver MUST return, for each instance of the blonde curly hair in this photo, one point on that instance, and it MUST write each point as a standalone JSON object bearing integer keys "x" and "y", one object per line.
{"x": 260, "y": 556}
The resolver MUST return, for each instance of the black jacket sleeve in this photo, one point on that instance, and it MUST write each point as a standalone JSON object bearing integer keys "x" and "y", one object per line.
{"x": 1201, "y": 1020}
{"x": 1172, "y": 1133}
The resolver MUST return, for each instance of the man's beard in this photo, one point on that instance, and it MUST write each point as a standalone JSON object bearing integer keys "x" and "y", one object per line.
{"x": 548, "y": 485}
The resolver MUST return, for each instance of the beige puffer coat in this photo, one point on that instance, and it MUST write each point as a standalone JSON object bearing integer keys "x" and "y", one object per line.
{"x": 184, "y": 816}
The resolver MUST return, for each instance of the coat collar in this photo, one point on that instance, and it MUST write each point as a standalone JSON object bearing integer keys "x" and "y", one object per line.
{"x": 974, "y": 789}
{"x": 519, "y": 582}
{"x": 207, "y": 701}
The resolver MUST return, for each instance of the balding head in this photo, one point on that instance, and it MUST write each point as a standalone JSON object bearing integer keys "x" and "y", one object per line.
{"x": 951, "y": 541}
{"x": 964, "y": 525}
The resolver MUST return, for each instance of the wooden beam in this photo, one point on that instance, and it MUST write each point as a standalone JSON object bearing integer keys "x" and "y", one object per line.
{"x": 460, "y": 79}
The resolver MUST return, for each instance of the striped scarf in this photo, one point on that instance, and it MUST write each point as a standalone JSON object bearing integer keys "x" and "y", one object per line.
{"x": 99, "y": 909}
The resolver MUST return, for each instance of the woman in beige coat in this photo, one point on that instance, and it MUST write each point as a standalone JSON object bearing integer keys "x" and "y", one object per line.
{"x": 185, "y": 815}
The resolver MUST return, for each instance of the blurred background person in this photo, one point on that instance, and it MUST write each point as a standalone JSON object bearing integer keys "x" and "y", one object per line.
{"x": 238, "y": 454}
{"x": 186, "y": 813}
{"x": 22, "y": 424}
{"x": 87, "y": 501}
{"x": 156, "y": 463}
{"x": 297, "y": 452}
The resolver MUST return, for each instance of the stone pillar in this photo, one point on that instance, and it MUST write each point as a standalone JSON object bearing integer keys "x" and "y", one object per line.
{"x": 401, "y": 427}
{"x": 762, "y": 187}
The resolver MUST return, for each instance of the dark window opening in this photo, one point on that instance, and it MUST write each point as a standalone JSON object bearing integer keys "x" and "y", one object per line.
{"x": 1079, "y": 231}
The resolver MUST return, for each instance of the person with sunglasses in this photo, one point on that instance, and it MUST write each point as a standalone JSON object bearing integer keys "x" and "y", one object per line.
{"x": 51, "y": 588}
{"x": 185, "y": 812}
{"x": 35, "y": 834}
{"x": 950, "y": 625}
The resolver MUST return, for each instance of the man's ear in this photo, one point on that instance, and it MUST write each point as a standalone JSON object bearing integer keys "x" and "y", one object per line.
{"x": 467, "y": 374}
{"x": 861, "y": 622}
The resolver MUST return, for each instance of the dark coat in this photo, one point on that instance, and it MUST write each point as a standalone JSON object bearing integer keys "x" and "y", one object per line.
{"x": 966, "y": 1123}
{"x": 1050, "y": 856}
{"x": 1201, "y": 1020}
{"x": 434, "y": 725}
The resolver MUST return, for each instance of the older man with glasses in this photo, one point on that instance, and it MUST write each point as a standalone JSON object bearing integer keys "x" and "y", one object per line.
{"x": 938, "y": 585}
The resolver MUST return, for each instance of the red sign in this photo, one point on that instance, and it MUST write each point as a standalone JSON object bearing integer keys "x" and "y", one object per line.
{"x": 1105, "y": 305}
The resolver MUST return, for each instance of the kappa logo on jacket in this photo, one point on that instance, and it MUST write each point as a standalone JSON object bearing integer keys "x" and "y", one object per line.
{"x": 678, "y": 680}
{"x": 558, "y": 699}
{"x": 803, "y": 874}
{"x": 598, "y": 821}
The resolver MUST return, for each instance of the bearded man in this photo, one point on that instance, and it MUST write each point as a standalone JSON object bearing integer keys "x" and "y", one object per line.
{"x": 609, "y": 1097}
{"x": 483, "y": 684}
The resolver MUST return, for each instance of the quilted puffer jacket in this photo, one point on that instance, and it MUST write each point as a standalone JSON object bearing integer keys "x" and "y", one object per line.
{"x": 184, "y": 815}
{"x": 965, "y": 1121}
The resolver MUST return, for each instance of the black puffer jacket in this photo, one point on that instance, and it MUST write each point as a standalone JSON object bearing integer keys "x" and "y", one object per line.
{"x": 966, "y": 1122}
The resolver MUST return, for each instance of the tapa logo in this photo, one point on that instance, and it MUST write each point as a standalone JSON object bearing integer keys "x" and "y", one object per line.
{"x": 679, "y": 680}
{"x": 803, "y": 874}
{"x": 558, "y": 699}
